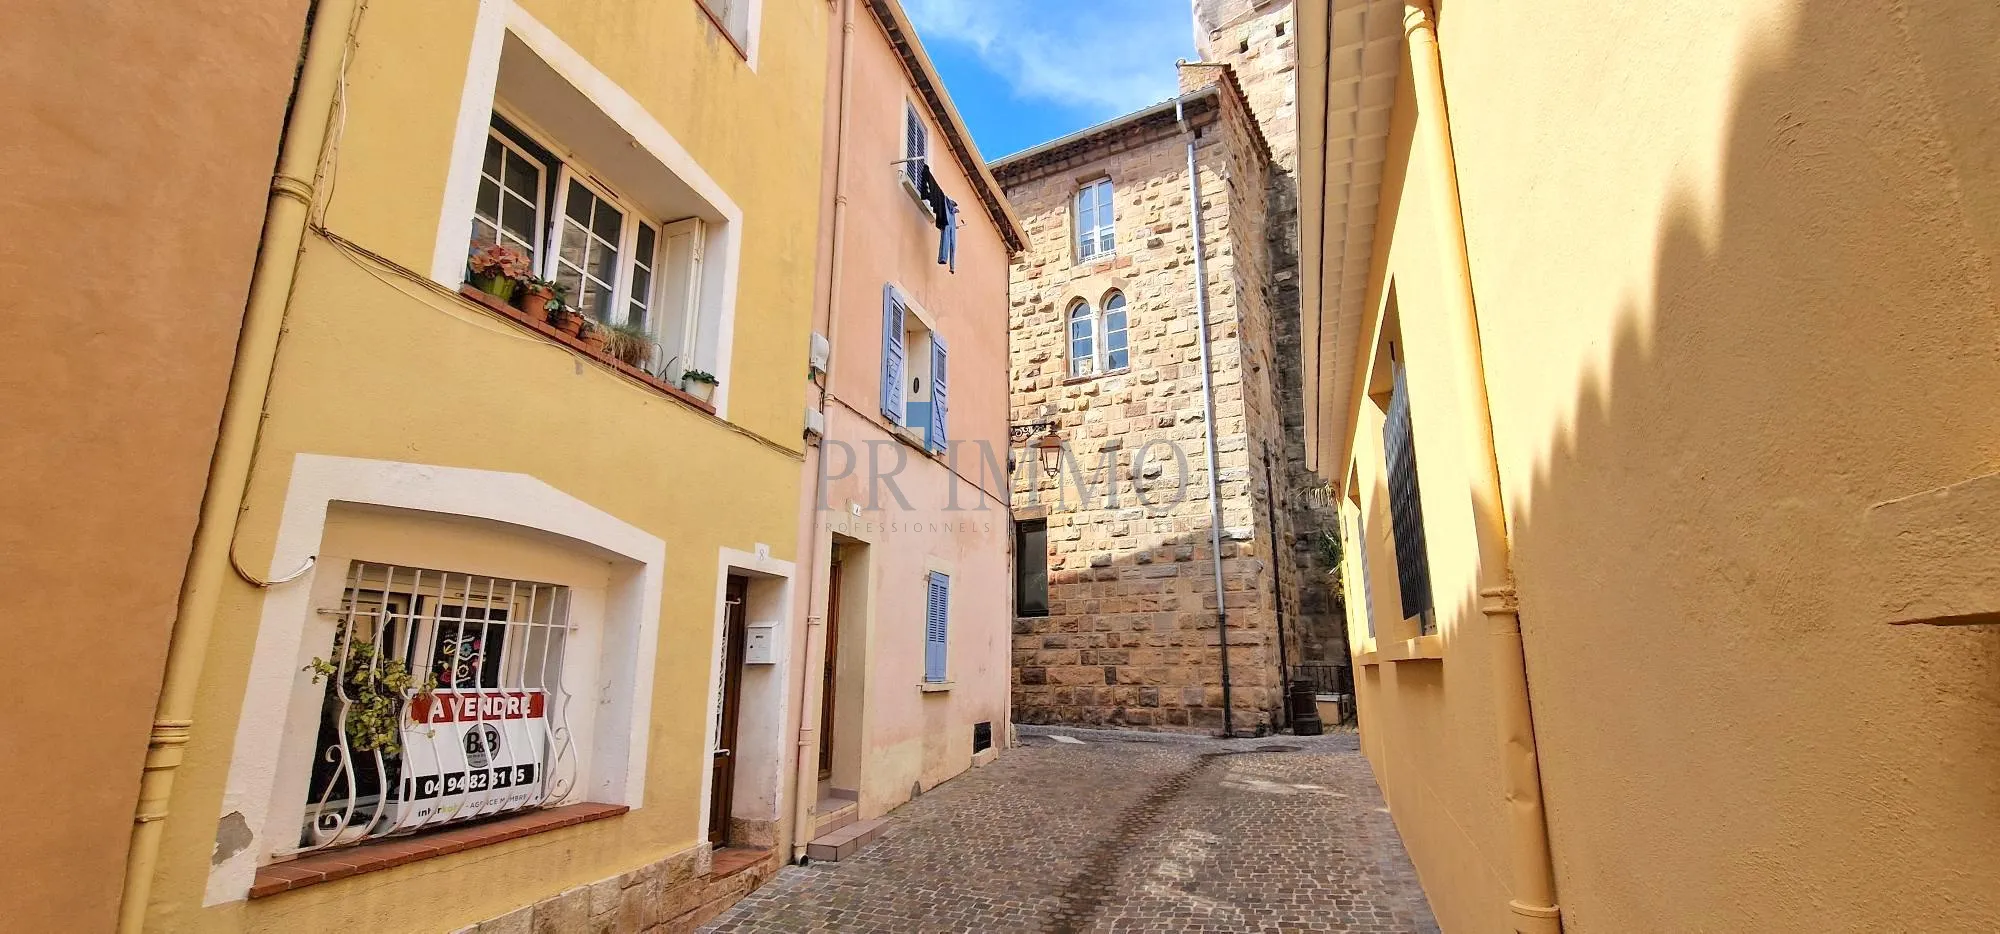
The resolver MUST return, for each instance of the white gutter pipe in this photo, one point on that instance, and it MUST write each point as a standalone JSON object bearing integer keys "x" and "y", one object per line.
{"x": 1208, "y": 410}
{"x": 806, "y": 774}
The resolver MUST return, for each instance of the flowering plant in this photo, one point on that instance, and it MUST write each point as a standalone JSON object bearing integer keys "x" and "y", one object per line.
{"x": 502, "y": 261}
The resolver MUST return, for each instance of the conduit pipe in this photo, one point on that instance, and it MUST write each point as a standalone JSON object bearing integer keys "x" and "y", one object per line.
{"x": 285, "y": 216}
{"x": 1533, "y": 908}
{"x": 806, "y": 772}
{"x": 1207, "y": 409}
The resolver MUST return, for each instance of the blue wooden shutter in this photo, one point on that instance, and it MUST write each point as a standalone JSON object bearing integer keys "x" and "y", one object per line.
{"x": 936, "y": 626}
{"x": 937, "y": 439}
{"x": 892, "y": 356}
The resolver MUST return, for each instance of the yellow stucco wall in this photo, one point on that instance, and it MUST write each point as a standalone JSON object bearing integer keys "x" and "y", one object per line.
{"x": 1734, "y": 268}
{"x": 140, "y": 188}
{"x": 375, "y": 366}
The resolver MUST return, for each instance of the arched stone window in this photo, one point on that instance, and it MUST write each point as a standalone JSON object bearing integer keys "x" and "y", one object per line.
{"x": 1082, "y": 339}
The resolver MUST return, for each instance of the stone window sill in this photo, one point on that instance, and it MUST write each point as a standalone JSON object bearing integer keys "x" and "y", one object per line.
{"x": 910, "y": 437}
{"x": 935, "y": 687}
{"x": 1087, "y": 377}
{"x": 329, "y": 865}
{"x": 576, "y": 345}
{"x": 1420, "y": 649}
{"x": 910, "y": 188}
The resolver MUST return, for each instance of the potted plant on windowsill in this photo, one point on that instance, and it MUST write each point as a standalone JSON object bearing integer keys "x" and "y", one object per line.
{"x": 497, "y": 270}
{"x": 699, "y": 384}
{"x": 595, "y": 335}
{"x": 376, "y": 688}
{"x": 631, "y": 344}
{"x": 565, "y": 318}
{"x": 537, "y": 297}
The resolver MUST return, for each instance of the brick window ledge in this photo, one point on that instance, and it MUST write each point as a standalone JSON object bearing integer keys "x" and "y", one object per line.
{"x": 577, "y": 345}
{"x": 329, "y": 865}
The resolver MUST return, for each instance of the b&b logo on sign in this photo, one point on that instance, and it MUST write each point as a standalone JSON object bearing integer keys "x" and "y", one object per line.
{"x": 474, "y": 751}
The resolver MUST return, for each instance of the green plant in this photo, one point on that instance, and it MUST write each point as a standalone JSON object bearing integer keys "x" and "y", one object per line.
{"x": 501, "y": 261}
{"x": 700, "y": 376}
{"x": 630, "y": 343}
{"x": 376, "y": 688}
{"x": 1327, "y": 544}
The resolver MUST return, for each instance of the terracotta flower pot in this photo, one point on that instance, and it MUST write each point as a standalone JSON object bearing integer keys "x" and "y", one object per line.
{"x": 594, "y": 340}
{"x": 571, "y": 323}
{"x": 535, "y": 302}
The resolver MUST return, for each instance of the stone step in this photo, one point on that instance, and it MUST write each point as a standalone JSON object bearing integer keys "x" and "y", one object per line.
{"x": 831, "y": 815}
{"x": 846, "y": 841}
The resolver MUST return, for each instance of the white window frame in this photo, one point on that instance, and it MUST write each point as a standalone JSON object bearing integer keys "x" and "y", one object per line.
{"x": 540, "y": 246}
{"x": 1098, "y": 361}
{"x": 1088, "y": 242}
{"x": 628, "y": 240}
{"x": 1085, "y": 365}
{"x": 915, "y": 130}
{"x": 281, "y": 706}
{"x": 722, "y": 239}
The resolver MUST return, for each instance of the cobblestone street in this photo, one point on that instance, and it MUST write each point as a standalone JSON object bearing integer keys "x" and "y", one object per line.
{"x": 1122, "y": 831}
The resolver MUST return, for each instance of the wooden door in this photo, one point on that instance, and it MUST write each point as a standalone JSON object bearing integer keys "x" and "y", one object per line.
{"x": 827, "y": 676}
{"x": 722, "y": 771}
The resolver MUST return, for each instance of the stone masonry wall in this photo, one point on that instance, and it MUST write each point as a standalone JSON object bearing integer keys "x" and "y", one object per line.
{"x": 1256, "y": 38}
{"x": 1132, "y": 637}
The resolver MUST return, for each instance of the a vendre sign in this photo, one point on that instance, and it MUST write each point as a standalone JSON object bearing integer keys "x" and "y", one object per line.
{"x": 471, "y": 752}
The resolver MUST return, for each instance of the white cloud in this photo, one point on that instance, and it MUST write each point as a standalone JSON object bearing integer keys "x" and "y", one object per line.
{"x": 1104, "y": 56}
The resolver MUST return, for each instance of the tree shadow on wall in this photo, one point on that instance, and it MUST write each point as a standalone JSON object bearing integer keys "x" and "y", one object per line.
{"x": 1732, "y": 732}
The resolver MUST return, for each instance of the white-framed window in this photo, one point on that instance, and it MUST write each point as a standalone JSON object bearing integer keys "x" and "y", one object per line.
{"x": 512, "y": 188}
{"x": 1082, "y": 339}
{"x": 914, "y": 385}
{"x": 618, "y": 265}
{"x": 916, "y": 142}
{"x": 1098, "y": 338}
{"x": 445, "y": 700}
{"x": 733, "y": 16}
{"x": 1095, "y": 238}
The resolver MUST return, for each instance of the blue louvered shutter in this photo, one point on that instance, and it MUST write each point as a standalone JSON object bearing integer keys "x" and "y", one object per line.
{"x": 892, "y": 356}
{"x": 937, "y": 439}
{"x": 937, "y": 624}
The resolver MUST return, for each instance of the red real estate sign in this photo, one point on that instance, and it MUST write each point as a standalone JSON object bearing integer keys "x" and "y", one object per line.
{"x": 469, "y": 706}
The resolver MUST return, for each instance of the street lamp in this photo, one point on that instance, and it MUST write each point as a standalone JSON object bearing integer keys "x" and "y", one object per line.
{"x": 1048, "y": 450}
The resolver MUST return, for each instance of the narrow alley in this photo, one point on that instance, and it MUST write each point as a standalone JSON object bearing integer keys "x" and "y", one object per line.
{"x": 1082, "y": 830}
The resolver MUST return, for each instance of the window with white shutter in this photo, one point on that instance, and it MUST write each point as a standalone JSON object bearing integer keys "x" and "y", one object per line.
{"x": 937, "y": 627}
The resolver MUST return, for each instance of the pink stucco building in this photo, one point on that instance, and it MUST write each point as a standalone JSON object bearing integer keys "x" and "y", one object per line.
{"x": 904, "y": 520}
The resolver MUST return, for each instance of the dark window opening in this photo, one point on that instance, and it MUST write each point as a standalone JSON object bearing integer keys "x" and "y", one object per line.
{"x": 1281, "y": 29}
{"x": 1031, "y": 567}
{"x": 1406, "y": 511}
{"x": 982, "y": 736}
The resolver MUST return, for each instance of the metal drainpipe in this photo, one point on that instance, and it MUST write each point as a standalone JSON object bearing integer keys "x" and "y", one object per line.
{"x": 1278, "y": 593}
{"x": 285, "y": 216}
{"x": 1533, "y": 907}
{"x": 1207, "y": 410}
{"x": 806, "y": 773}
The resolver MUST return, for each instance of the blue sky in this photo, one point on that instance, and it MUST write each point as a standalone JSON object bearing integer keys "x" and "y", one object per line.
{"x": 1026, "y": 71}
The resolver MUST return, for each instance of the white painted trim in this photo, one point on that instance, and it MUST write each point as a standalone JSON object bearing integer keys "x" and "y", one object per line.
{"x": 496, "y": 19}
{"x": 753, "y": 27}
{"x": 513, "y": 499}
{"x": 468, "y": 145}
{"x": 751, "y": 565}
